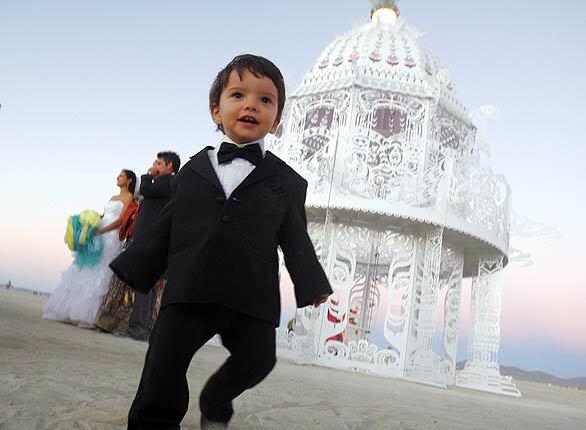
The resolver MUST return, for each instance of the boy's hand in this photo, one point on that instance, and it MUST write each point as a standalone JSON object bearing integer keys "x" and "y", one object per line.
{"x": 320, "y": 300}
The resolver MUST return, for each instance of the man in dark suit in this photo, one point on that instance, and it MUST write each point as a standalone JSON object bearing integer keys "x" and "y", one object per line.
{"x": 217, "y": 239}
{"x": 155, "y": 187}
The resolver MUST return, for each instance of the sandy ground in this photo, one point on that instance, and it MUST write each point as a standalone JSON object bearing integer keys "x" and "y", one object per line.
{"x": 56, "y": 376}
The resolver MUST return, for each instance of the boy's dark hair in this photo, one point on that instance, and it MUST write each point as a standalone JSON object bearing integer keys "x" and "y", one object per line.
{"x": 170, "y": 157}
{"x": 258, "y": 66}
{"x": 130, "y": 175}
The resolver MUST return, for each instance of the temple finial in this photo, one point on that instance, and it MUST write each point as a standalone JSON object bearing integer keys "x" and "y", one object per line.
{"x": 384, "y": 11}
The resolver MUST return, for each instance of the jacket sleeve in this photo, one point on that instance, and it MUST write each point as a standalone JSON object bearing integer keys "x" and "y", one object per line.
{"x": 145, "y": 260}
{"x": 307, "y": 274}
{"x": 156, "y": 188}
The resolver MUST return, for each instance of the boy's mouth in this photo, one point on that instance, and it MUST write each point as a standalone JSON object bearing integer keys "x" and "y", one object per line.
{"x": 248, "y": 119}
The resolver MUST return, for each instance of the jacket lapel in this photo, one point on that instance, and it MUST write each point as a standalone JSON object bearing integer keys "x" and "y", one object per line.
{"x": 200, "y": 164}
{"x": 263, "y": 170}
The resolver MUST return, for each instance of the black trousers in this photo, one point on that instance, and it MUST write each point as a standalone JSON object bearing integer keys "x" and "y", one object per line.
{"x": 141, "y": 317}
{"x": 181, "y": 329}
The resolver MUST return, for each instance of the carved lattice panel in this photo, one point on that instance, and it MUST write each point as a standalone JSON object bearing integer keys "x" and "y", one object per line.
{"x": 451, "y": 287}
{"x": 385, "y": 149}
{"x": 310, "y": 135}
{"x": 345, "y": 273}
{"x": 402, "y": 253}
{"x": 489, "y": 206}
{"x": 362, "y": 257}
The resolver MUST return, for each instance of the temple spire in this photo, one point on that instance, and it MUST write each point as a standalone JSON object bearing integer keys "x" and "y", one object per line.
{"x": 385, "y": 11}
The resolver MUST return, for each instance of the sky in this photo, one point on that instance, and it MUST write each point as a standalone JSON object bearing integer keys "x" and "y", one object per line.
{"x": 88, "y": 88}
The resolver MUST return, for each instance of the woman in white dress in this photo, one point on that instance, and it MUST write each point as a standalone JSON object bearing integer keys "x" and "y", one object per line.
{"x": 81, "y": 290}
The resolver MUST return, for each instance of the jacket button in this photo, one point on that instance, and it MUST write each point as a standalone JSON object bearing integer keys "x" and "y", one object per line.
{"x": 220, "y": 200}
{"x": 225, "y": 219}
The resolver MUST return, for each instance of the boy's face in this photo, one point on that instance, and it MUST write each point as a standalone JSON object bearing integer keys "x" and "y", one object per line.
{"x": 248, "y": 108}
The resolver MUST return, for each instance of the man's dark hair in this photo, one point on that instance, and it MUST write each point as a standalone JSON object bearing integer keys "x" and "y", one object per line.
{"x": 258, "y": 66}
{"x": 171, "y": 157}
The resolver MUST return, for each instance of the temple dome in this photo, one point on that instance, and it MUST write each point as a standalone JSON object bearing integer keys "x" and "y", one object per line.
{"x": 385, "y": 54}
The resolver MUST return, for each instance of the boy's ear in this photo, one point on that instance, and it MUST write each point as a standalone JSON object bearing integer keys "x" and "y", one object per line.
{"x": 215, "y": 113}
{"x": 275, "y": 125}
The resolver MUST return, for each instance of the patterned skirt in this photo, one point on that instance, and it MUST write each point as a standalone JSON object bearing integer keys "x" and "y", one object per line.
{"x": 115, "y": 311}
{"x": 114, "y": 314}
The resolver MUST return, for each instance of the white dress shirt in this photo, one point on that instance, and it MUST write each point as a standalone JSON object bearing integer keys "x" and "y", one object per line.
{"x": 231, "y": 174}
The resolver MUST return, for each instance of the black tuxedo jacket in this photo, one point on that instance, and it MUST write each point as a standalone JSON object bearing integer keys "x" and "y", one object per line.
{"x": 224, "y": 251}
{"x": 156, "y": 194}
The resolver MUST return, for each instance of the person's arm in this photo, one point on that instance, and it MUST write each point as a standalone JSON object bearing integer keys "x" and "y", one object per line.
{"x": 309, "y": 279}
{"x": 118, "y": 222}
{"x": 145, "y": 260}
{"x": 155, "y": 188}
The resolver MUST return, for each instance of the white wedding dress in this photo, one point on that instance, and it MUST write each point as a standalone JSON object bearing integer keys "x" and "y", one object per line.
{"x": 80, "y": 293}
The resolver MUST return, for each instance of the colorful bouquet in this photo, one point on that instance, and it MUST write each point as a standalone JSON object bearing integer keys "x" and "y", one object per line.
{"x": 80, "y": 238}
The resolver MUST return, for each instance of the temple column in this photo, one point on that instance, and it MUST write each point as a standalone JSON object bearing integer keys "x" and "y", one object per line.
{"x": 454, "y": 262}
{"x": 423, "y": 364}
{"x": 482, "y": 371}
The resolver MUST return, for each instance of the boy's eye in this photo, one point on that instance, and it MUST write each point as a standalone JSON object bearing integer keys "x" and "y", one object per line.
{"x": 237, "y": 95}
{"x": 266, "y": 100}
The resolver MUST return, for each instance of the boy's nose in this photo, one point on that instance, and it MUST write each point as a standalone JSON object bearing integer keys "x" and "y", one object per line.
{"x": 250, "y": 106}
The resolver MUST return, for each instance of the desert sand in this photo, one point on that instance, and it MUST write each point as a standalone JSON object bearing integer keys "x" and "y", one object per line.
{"x": 56, "y": 376}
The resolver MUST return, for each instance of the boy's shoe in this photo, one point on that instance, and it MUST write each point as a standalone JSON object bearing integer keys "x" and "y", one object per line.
{"x": 206, "y": 424}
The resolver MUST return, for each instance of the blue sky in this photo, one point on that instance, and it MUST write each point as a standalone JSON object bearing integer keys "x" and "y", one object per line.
{"x": 90, "y": 87}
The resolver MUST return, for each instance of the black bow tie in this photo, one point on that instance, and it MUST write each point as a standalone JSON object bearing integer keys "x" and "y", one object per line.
{"x": 229, "y": 151}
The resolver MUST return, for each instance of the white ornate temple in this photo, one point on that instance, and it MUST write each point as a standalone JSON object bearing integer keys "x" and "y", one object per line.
{"x": 400, "y": 210}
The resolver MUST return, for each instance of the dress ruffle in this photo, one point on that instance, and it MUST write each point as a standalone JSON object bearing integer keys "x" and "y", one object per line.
{"x": 82, "y": 288}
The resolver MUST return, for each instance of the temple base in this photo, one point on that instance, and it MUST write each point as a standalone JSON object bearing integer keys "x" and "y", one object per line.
{"x": 486, "y": 379}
